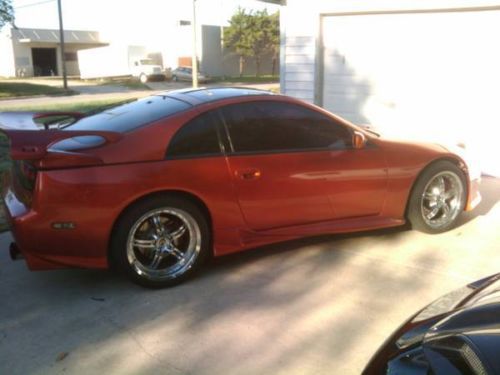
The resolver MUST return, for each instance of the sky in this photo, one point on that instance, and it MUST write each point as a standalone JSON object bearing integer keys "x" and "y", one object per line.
{"x": 135, "y": 20}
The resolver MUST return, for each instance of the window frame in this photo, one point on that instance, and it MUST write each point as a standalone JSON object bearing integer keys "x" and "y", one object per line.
{"x": 212, "y": 114}
{"x": 230, "y": 146}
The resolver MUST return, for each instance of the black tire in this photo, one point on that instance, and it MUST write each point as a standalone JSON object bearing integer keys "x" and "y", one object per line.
{"x": 417, "y": 203}
{"x": 174, "y": 78}
{"x": 121, "y": 248}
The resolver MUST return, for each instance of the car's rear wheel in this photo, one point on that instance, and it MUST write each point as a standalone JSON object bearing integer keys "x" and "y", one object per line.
{"x": 161, "y": 241}
{"x": 438, "y": 198}
{"x": 175, "y": 78}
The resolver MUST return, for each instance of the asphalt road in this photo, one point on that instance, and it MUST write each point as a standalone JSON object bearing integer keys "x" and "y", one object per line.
{"x": 315, "y": 306}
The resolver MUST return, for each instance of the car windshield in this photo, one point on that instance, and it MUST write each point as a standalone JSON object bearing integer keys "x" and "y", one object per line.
{"x": 128, "y": 116}
{"x": 147, "y": 62}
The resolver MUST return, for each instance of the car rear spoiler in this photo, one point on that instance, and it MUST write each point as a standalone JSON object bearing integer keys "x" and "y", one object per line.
{"x": 26, "y": 120}
{"x": 31, "y": 141}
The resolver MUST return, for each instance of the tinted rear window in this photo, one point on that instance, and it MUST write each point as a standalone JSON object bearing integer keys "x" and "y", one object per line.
{"x": 129, "y": 116}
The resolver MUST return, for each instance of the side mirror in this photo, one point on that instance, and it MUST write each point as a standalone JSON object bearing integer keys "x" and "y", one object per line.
{"x": 358, "y": 140}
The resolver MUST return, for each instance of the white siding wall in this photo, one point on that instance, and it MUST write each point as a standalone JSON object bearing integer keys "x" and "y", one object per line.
{"x": 450, "y": 69}
{"x": 300, "y": 33}
{"x": 299, "y": 67}
{"x": 298, "y": 51}
{"x": 7, "y": 55}
{"x": 72, "y": 67}
{"x": 23, "y": 60}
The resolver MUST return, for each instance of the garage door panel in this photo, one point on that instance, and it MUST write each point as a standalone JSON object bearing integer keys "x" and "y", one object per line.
{"x": 432, "y": 76}
{"x": 348, "y": 85}
{"x": 347, "y": 107}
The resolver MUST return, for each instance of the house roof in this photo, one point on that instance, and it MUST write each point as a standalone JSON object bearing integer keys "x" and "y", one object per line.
{"x": 24, "y": 35}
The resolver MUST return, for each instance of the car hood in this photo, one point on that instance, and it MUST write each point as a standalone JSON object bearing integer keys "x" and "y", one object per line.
{"x": 473, "y": 165}
{"x": 451, "y": 307}
{"x": 472, "y": 311}
{"x": 421, "y": 153}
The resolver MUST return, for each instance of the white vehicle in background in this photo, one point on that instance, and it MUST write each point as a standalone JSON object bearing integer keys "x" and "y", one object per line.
{"x": 118, "y": 61}
{"x": 146, "y": 69}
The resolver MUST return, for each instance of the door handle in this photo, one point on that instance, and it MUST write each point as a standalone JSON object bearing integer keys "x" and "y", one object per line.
{"x": 248, "y": 174}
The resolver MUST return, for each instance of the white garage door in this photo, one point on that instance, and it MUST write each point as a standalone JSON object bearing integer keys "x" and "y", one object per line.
{"x": 434, "y": 76}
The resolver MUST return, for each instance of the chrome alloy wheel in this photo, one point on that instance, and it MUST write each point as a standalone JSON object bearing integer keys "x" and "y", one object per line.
{"x": 442, "y": 199}
{"x": 163, "y": 244}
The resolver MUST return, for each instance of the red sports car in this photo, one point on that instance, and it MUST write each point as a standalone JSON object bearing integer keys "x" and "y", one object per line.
{"x": 155, "y": 186}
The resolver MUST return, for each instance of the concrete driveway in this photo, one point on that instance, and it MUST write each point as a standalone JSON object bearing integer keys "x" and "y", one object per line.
{"x": 315, "y": 306}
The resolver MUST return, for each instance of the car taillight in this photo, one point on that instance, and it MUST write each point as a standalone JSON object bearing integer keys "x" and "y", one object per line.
{"x": 81, "y": 142}
{"x": 26, "y": 173}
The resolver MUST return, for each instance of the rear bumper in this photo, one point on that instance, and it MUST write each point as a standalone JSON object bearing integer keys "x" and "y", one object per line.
{"x": 474, "y": 196}
{"x": 32, "y": 232}
{"x": 18, "y": 217}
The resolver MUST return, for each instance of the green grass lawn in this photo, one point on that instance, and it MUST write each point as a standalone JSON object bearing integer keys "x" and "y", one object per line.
{"x": 9, "y": 90}
{"x": 248, "y": 79}
{"x": 131, "y": 83}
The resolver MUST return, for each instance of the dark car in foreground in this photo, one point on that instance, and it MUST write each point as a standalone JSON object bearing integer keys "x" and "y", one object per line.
{"x": 458, "y": 334}
{"x": 155, "y": 186}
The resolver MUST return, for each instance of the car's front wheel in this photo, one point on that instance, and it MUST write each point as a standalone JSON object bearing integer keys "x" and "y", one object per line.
{"x": 438, "y": 198}
{"x": 161, "y": 241}
{"x": 143, "y": 78}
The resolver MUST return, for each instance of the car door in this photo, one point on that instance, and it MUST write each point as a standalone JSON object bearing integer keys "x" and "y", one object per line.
{"x": 279, "y": 183}
{"x": 292, "y": 165}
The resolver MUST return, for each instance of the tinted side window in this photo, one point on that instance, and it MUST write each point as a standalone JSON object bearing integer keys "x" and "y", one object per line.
{"x": 275, "y": 126}
{"x": 197, "y": 137}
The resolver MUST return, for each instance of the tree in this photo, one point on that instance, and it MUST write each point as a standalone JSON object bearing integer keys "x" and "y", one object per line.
{"x": 274, "y": 39}
{"x": 252, "y": 34}
{"x": 259, "y": 37}
{"x": 6, "y": 12}
{"x": 236, "y": 36}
